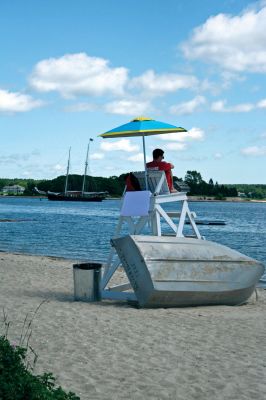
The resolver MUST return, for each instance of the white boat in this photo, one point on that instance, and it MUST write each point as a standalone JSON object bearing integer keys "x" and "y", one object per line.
{"x": 179, "y": 271}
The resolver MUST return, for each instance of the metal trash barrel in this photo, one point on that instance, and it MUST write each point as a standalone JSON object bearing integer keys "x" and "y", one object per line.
{"x": 87, "y": 278}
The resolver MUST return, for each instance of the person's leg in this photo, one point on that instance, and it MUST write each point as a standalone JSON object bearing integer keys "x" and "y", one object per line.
{"x": 169, "y": 178}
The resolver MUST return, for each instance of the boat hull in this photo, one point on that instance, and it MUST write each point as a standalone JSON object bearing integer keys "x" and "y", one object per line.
{"x": 56, "y": 197}
{"x": 172, "y": 272}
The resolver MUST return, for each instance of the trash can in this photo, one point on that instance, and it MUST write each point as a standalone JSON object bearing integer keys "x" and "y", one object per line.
{"x": 87, "y": 278}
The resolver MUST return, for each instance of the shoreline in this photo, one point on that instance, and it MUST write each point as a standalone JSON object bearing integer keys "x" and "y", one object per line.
{"x": 227, "y": 200}
{"x": 112, "y": 350}
{"x": 190, "y": 198}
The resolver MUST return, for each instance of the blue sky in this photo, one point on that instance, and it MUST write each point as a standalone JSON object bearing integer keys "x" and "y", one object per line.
{"x": 71, "y": 70}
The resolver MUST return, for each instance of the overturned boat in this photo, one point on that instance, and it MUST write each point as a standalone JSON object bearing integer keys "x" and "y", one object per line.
{"x": 179, "y": 271}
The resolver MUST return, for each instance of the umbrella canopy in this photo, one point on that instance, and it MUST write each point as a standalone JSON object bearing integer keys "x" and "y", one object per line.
{"x": 142, "y": 126}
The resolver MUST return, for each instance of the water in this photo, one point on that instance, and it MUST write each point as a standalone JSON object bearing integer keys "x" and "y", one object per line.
{"x": 83, "y": 230}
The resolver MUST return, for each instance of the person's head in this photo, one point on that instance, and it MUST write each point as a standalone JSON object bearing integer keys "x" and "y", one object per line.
{"x": 158, "y": 154}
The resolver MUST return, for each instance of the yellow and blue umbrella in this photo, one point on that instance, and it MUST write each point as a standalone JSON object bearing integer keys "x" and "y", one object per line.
{"x": 142, "y": 126}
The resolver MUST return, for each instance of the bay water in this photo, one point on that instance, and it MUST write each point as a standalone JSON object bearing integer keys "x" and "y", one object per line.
{"x": 82, "y": 231}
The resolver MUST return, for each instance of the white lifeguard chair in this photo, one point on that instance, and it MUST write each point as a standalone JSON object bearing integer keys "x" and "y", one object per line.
{"x": 143, "y": 208}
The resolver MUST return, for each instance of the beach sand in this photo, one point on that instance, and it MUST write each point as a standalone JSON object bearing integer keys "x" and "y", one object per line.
{"x": 110, "y": 350}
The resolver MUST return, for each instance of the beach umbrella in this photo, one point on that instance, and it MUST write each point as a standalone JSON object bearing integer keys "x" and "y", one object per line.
{"x": 142, "y": 126}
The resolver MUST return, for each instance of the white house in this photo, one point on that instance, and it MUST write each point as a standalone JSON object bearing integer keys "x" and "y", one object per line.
{"x": 14, "y": 189}
{"x": 241, "y": 194}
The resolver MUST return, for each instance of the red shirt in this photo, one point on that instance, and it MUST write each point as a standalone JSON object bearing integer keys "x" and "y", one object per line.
{"x": 162, "y": 166}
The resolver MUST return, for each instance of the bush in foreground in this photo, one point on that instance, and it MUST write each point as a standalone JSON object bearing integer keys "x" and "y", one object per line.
{"x": 18, "y": 383}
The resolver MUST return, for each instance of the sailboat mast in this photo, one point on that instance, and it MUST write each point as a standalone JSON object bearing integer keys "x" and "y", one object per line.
{"x": 86, "y": 166}
{"x": 67, "y": 173}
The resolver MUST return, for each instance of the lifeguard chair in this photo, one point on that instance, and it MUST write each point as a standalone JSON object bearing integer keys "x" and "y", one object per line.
{"x": 143, "y": 209}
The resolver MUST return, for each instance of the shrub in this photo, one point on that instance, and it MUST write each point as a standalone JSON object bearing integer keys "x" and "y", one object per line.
{"x": 18, "y": 383}
{"x": 17, "y": 362}
{"x": 219, "y": 196}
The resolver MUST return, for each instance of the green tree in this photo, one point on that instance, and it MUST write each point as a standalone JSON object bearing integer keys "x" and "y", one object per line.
{"x": 193, "y": 178}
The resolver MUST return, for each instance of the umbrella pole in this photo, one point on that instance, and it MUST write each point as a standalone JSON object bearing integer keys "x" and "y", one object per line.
{"x": 145, "y": 166}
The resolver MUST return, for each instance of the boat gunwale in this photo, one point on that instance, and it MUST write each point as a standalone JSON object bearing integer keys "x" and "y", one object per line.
{"x": 200, "y": 260}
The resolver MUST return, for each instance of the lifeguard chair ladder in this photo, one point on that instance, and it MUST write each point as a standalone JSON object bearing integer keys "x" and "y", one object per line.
{"x": 142, "y": 208}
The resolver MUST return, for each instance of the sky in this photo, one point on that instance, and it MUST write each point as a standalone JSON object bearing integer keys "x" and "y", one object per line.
{"x": 73, "y": 69}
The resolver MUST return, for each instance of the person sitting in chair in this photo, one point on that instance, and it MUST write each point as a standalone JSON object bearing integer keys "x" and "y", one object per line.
{"x": 159, "y": 164}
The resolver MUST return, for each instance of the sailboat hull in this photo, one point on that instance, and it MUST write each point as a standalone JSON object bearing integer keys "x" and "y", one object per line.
{"x": 171, "y": 272}
{"x": 63, "y": 197}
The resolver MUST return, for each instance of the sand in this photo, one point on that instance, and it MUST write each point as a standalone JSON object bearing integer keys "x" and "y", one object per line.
{"x": 110, "y": 350}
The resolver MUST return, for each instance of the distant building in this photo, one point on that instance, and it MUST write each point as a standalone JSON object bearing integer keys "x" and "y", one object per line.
{"x": 181, "y": 186}
{"x": 14, "y": 189}
{"x": 241, "y": 194}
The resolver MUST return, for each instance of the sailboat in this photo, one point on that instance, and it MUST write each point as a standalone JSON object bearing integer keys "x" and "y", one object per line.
{"x": 75, "y": 195}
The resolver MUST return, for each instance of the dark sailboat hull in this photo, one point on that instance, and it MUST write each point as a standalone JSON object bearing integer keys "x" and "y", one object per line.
{"x": 61, "y": 197}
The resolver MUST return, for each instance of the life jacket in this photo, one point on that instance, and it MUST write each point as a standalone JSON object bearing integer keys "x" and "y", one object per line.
{"x": 132, "y": 183}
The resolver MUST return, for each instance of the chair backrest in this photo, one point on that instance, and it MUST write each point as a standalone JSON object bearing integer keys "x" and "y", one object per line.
{"x": 157, "y": 183}
{"x": 136, "y": 204}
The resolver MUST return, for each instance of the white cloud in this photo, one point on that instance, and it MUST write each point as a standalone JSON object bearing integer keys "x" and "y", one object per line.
{"x": 254, "y": 151}
{"x": 218, "y": 156}
{"x": 175, "y": 146}
{"x": 18, "y": 158}
{"x": 159, "y": 84}
{"x": 59, "y": 167}
{"x": 81, "y": 107}
{"x": 11, "y": 102}
{"x": 196, "y": 134}
{"x": 96, "y": 156}
{"x": 136, "y": 157}
{"x": 128, "y": 107}
{"x": 193, "y": 134}
{"x": 188, "y": 107}
{"x": 78, "y": 74}
{"x": 262, "y": 104}
{"x": 220, "y": 106}
{"x": 119, "y": 145}
{"x": 235, "y": 43}
{"x": 26, "y": 174}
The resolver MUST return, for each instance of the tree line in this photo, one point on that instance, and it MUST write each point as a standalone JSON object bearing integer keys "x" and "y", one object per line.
{"x": 114, "y": 185}
{"x": 198, "y": 187}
